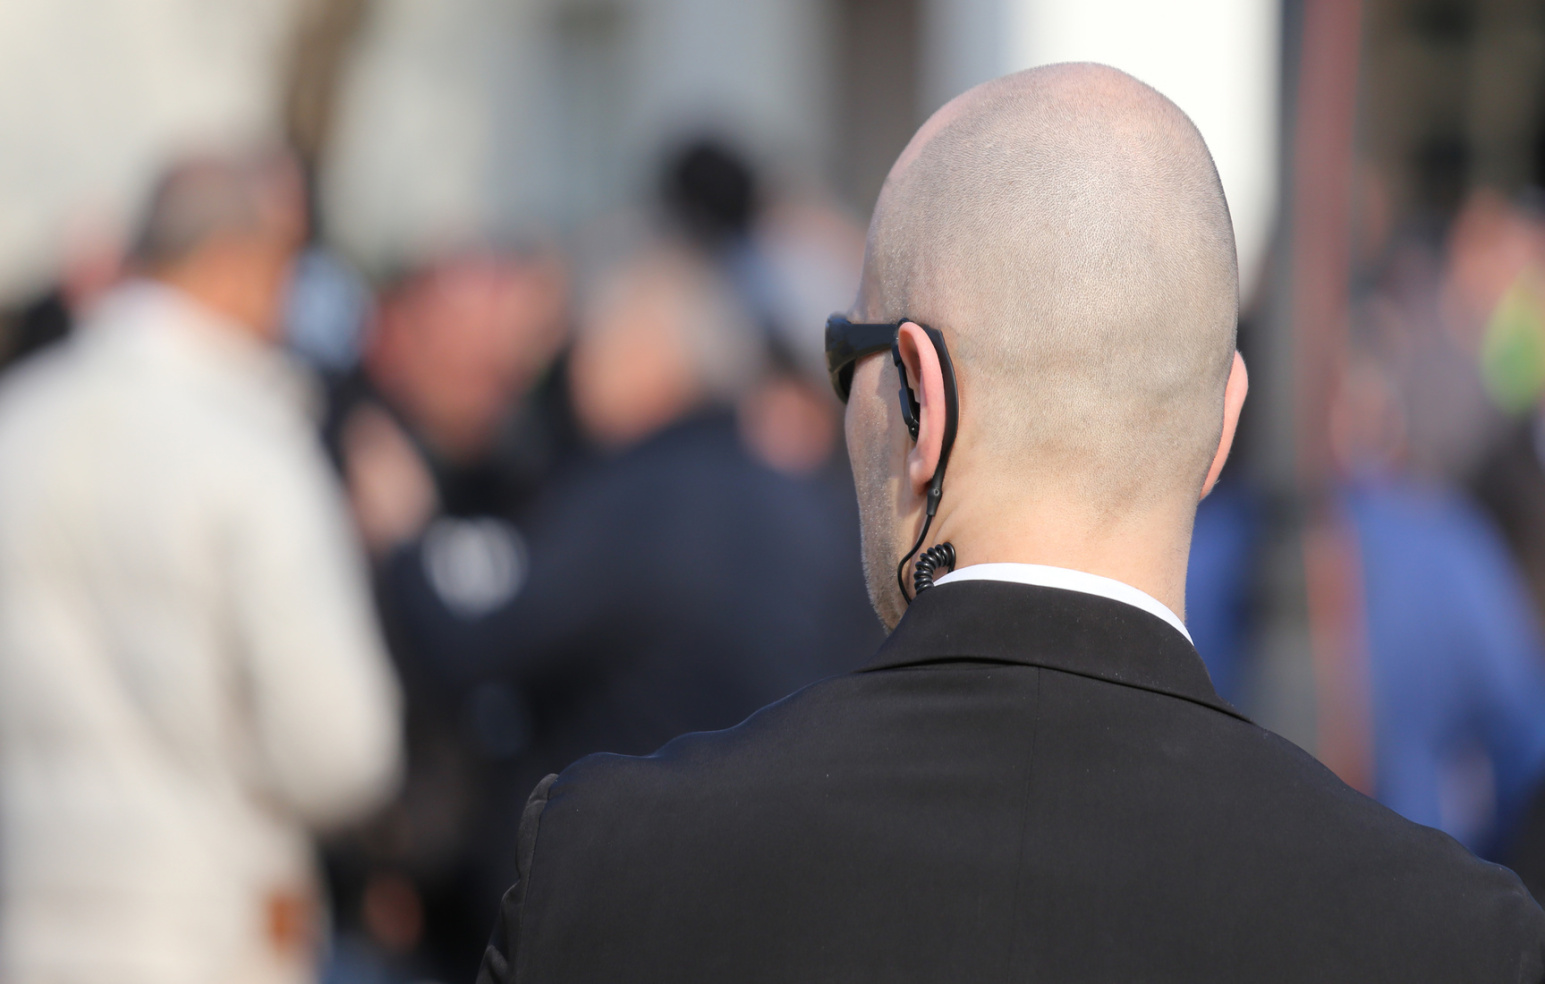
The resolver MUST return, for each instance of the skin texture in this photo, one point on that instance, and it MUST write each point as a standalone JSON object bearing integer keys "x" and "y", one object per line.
{"x": 1065, "y": 230}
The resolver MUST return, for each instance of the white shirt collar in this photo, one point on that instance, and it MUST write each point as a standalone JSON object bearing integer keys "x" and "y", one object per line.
{"x": 1070, "y": 580}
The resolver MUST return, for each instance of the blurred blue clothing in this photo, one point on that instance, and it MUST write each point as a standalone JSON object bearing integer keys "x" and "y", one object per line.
{"x": 1455, "y": 663}
{"x": 1219, "y": 582}
{"x": 1456, "y": 668}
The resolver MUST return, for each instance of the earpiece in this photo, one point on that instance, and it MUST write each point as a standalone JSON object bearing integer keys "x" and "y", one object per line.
{"x": 910, "y": 408}
{"x": 936, "y": 556}
{"x": 942, "y": 555}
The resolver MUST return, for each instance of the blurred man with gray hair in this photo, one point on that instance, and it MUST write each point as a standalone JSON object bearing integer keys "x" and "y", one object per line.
{"x": 190, "y": 676}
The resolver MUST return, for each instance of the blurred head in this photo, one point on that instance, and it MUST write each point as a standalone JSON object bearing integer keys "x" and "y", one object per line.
{"x": 457, "y": 343}
{"x": 1492, "y": 242}
{"x": 710, "y": 192}
{"x": 660, "y": 337}
{"x": 1367, "y": 420}
{"x": 224, "y": 231}
{"x": 1066, "y": 231}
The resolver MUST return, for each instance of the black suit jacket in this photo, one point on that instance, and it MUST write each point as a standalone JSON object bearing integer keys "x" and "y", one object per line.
{"x": 1027, "y": 784}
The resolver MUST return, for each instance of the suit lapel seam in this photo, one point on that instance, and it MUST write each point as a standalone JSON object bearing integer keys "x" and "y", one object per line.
{"x": 920, "y": 662}
{"x": 1027, "y": 800}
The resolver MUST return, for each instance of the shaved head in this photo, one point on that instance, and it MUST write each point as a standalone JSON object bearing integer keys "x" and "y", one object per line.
{"x": 1065, "y": 229}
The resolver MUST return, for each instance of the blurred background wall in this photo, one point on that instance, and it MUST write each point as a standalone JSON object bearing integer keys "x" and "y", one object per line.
{"x": 429, "y": 122}
{"x": 475, "y": 116}
{"x": 98, "y": 95}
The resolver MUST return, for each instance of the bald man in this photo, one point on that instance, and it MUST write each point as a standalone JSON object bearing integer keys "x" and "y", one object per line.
{"x": 1034, "y": 779}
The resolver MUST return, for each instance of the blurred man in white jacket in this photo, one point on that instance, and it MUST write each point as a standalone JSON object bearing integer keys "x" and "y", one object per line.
{"x": 191, "y": 681}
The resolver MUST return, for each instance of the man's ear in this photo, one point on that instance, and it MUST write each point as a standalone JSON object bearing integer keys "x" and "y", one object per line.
{"x": 1233, "y": 402}
{"x": 920, "y": 362}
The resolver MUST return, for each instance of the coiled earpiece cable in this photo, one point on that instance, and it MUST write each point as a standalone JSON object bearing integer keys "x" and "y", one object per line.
{"x": 943, "y": 554}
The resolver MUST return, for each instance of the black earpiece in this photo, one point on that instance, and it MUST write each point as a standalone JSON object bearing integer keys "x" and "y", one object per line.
{"x": 942, "y": 555}
{"x": 910, "y": 408}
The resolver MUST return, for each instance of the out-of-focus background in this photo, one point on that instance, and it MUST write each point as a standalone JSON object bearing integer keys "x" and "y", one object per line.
{"x": 559, "y": 299}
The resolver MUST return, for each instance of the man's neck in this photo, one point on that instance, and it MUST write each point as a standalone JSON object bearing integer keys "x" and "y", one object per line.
{"x": 238, "y": 295}
{"x": 1148, "y": 551}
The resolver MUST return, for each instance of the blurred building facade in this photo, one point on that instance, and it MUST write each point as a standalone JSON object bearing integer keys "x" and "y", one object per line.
{"x": 468, "y": 114}
{"x": 99, "y": 96}
{"x": 469, "y": 118}
{"x": 1454, "y": 96}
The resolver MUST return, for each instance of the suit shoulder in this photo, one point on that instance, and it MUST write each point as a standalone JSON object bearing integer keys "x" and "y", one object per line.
{"x": 1385, "y": 870}
{"x": 764, "y": 750}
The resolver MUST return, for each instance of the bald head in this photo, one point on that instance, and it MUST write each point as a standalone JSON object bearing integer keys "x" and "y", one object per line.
{"x": 1065, "y": 229}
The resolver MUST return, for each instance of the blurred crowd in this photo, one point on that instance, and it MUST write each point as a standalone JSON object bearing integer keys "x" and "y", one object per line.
{"x": 307, "y": 577}
{"x": 597, "y": 495}
{"x": 1423, "y": 556}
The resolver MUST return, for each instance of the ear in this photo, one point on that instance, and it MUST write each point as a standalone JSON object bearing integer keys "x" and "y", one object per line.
{"x": 1233, "y": 402}
{"x": 920, "y": 362}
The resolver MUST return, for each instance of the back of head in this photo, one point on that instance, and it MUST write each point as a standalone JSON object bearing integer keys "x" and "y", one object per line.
{"x": 222, "y": 230}
{"x": 661, "y": 336}
{"x": 1066, "y": 230}
{"x": 201, "y": 198}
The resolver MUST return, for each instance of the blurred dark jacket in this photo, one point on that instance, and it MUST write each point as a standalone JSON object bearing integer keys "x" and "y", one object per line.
{"x": 1026, "y": 784}
{"x": 434, "y": 594}
{"x": 41, "y": 324}
{"x": 1510, "y": 483}
{"x": 676, "y": 586}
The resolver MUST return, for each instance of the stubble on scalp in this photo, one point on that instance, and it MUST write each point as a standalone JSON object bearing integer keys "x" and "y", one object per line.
{"x": 874, "y": 484}
{"x": 1066, "y": 230}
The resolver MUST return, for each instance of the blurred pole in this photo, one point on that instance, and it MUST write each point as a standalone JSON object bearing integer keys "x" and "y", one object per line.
{"x": 878, "y": 84}
{"x": 318, "y": 51}
{"x": 323, "y": 38}
{"x": 1323, "y": 165}
{"x": 1321, "y": 221}
{"x": 1313, "y": 673}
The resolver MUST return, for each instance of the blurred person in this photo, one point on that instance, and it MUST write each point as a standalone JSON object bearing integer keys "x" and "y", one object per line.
{"x": 1496, "y": 294}
{"x": 788, "y": 259}
{"x": 806, "y": 255}
{"x": 789, "y": 253}
{"x": 1443, "y": 660}
{"x": 1455, "y": 666}
{"x": 676, "y": 582}
{"x": 1502, "y": 278}
{"x": 711, "y": 194}
{"x": 1431, "y": 683}
{"x": 93, "y": 262}
{"x": 1034, "y": 778}
{"x": 1439, "y": 300}
{"x": 789, "y": 425}
{"x": 445, "y": 434}
{"x": 191, "y": 680}
{"x": 326, "y": 309}
{"x": 457, "y": 342}
{"x": 1222, "y": 578}
{"x": 662, "y": 338}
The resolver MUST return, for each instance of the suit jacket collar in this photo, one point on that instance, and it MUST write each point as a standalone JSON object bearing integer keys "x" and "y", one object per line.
{"x": 1071, "y": 631}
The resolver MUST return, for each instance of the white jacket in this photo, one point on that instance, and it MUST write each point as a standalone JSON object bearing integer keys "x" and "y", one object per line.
{"x": 190, "y": 673}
